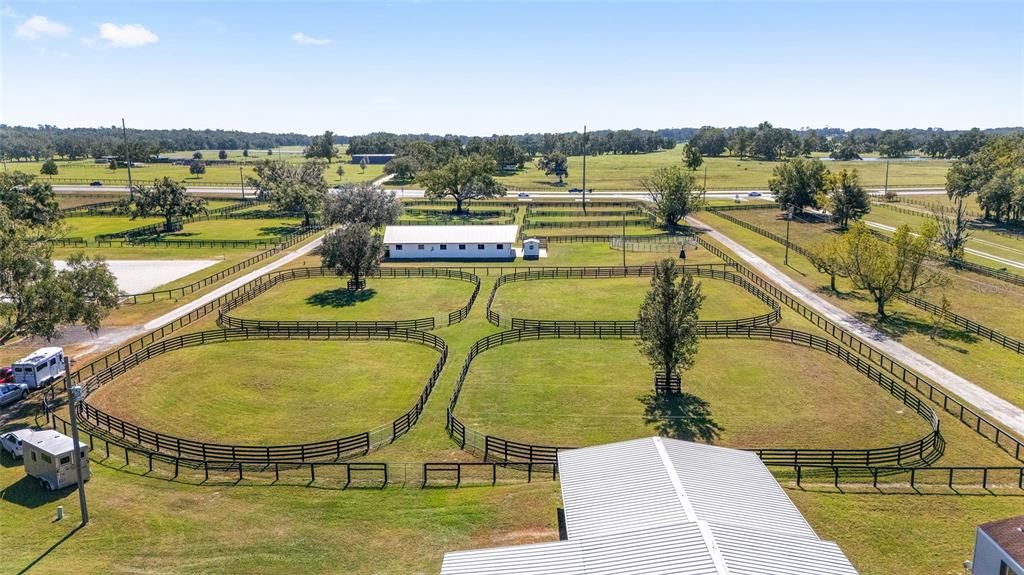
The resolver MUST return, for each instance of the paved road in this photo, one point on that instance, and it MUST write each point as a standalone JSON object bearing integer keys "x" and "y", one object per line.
{"x": 995, "y": 407}
{"x": 972, "y": 251}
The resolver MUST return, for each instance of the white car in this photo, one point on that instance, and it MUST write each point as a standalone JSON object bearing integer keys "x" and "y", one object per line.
{"x": 11, "y": 441}
{"x": 11, "y": 392}
{"x": 754, "y": 194}
{"x": 523, "y": 195}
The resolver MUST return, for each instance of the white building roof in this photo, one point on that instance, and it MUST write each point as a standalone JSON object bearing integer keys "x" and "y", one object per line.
{"x": 481, "y": 234}
{"x": 51, "y": 442}
{"x": 666, "y": 506}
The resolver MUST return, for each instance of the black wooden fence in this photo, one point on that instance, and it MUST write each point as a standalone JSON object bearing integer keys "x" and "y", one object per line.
{"x": 959, "y": 320}
{"x": 120, "y": 431}
{"x": 925, "y": 449}
{"x": 1003, "y": 439}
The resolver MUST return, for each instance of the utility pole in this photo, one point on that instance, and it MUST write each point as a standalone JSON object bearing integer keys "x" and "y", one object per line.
{"x": 789, "y": 218}
{"x": 584, "y": 170}
{"x": 885, "y": 193}
{"x": 242, "y": 180}
{"x": 128, "y": 159}
{"x": 75, "y": 396}
{"x": 705, "y": 182}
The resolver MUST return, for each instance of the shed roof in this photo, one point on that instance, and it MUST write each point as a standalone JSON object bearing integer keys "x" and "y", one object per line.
{"x": 663, "y": 506}
{"x": 1008, "y": 534}
{"x": 482, "y": 234}
{"x": 51, "y": 442}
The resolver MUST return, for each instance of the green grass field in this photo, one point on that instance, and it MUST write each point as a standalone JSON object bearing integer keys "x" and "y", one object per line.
{"x": 237, "y": 392}
{"x": 383, "y": 299}
{"x": 613, "y": 299}
{"x": 89, "y": 227}
{"x": 765, "y": 394}
{"x": 621, "y": 172}
{"x": 237, "y": 229}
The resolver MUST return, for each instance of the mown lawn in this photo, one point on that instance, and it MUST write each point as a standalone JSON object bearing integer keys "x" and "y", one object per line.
{"x": 765, "y": 394}
{"x": 328, "y": 299}
{"x": 237, "y": 229}
{"x": 88, "y": 227}
{"x": 271, "y": 392}
{"x": 613, "y": 299}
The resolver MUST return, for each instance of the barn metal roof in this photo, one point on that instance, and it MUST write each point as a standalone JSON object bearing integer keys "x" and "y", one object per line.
{"x": 481, "y": 234}
{"x": 661, "y": 506}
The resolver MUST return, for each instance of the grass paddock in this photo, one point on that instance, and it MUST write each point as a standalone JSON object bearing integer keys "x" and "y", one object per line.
{"x": 271, "y": 392}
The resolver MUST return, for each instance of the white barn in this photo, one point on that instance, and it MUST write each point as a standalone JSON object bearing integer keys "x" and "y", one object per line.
{"x": 664, "y": 506}
{"x": 450, "y": 242}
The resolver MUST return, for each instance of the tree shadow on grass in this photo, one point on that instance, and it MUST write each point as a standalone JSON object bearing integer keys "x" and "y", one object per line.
{"x": 680, "y": 416}
{"x": 840, "y": 295}
{"x": 340, "y": 297}
{"x": 898, "y": 325}
{"x": 278, "y": 231}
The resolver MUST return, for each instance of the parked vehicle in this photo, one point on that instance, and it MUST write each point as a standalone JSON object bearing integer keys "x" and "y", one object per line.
{"x": 11, "y": 392}
{"x": 49, "y": 457}
{"x": 41, "y": 368}
{"x": 754, "y": 194}
{"x": 6, "y": 375}
{"x": 523, "y": 195}
{"x": 12, "y": 441}
{"x": 96, "y": 183}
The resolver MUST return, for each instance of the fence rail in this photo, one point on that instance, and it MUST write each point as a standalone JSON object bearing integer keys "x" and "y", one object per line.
{"x": 925, "y": 449}
{"x": 914, "y": 477}
{"x": 357, "y": 444}
{"x": 968, "y": 416}
{"x": 959, "y": 320}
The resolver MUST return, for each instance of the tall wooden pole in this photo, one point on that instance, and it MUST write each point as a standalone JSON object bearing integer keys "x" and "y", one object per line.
{"x": 127, "y": 158}
{"x": 584, "y": 170}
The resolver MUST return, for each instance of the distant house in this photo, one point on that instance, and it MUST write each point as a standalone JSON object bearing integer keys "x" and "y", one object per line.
{"x": 372, "y": 158}
{"x": 480, "y": 242}
{"x": 999, "y": 548}
{"x": 659, "y": 505}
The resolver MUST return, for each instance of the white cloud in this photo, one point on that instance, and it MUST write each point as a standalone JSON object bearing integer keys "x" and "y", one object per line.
{"x": 127, "y": 36}
{"x": 41, "y": 27}
{"x": 301, "y": 38}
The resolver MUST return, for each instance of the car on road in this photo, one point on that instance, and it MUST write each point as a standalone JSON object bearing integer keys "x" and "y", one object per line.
{"x": 754, "y": 194}
{"x": 96, "y": 183}
{"x": 11, "y": 392}
{"x": 6, "y": 375}
{"x": 523, "y": 195}
{"x": 12, "y": 441}
{"x": 575, "y": 190}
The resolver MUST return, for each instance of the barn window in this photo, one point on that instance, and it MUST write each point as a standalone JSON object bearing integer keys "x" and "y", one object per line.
{"x": 419, "y": 247}
{"x": 444, "y": 246}
{"x": 501, "y": 246}
{"x": 398, "y": 247}
{"x": 479, "y": 246}
{"x": 462, "y": 246}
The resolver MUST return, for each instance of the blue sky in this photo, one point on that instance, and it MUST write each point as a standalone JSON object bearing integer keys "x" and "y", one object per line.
{"x": 483, "y": 68}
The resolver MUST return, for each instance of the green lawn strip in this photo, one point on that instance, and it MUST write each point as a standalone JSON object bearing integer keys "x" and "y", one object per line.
{"x": 328, "y": 299}
{"x": 149, "y": 525}
{"x": 765, "y": 394}
{"x": 992, "y": 302}
{"x": 444, "y": 218}
{"x": 237, "y": 229}
{"x": 613, "y": 299}
{"x": 903, "y": 533}
{"x": 983, "y": 240}
{"x": 980, "y": 361}
{"x": 594, "y": 231}
{"x": 88, "y": 227}
{"x": 271, "y": 392}
{"x": 581, "y": 218}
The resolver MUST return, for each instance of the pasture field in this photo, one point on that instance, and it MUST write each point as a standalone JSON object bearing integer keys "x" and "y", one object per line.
{"x": 85, "y": 171}
{"x": 621, "y": 172}
{"x": 613, "y": 299}
{"x": 275, "y": 392}
{"x": 328, "y": 299}
{"x": 983, "y": 362}
{"x": 89, "y": 227}
{"x": 236, "y": 229}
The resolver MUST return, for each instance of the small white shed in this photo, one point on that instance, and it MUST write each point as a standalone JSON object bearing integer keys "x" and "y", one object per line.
{"x": 481, "y": 242}
{"x": 49, "y": 457}
{"x": 531, "y": 249}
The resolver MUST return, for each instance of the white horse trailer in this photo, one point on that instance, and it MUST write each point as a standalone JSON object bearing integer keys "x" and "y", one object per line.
{"x": 49, "y": 457}
{"x": 41, "y": 368}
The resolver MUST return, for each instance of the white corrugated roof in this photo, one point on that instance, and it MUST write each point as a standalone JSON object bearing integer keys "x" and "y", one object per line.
{"x": 482, "y": 234}
{"x": 658, "y": 506}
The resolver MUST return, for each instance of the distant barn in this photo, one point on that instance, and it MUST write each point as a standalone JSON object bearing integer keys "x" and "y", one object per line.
{"x": 372, "y": 158}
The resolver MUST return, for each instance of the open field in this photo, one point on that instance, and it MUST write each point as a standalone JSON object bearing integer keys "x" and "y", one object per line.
{"x": 271, "y": 392}
{"x": 86, "y": 171}
{"x": 621, "y": 172}
{"x": 236, "y": 229}
{"x": 383, "y": 299}
{"x": 89, "y": 227}
{"x": 613, "y": 299}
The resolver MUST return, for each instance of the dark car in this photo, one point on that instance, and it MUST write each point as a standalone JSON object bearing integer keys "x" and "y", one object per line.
{"x": 575, "y": 190}
{"x": 96, "y": 183}
{"x": 6, "y": 375}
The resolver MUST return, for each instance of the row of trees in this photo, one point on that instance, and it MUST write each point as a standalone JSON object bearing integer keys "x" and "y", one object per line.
{"x": 995, "y": 173}
{"x": 37, "y": 299}
{"x": 801, "y": 183}
{"x": 25, "y": 143}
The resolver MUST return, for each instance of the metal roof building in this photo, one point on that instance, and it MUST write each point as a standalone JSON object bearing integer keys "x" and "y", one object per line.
{"x": 451, "y": 242}
{"x": 664, "y": 506}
